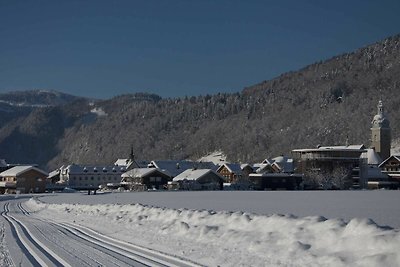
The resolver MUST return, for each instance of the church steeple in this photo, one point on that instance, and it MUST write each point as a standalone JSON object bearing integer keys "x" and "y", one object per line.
{"x": 380, "y": 130}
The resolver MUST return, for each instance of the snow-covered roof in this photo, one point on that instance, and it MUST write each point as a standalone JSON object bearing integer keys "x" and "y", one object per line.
{"x": 245, "y": 165}
{"x": 176, "y": 167}
{"x": 18, "y": 170}
{"x": 397, "y": 157}
{"x": 232, "y": 167}
{"x": 54, "y": 173}
{"x": 283, "y": 163}
{"x": 84, "y": 169}
{"x": 372, "y": 157}
{"x": 333, "y": 148}
{"x": 140, "y": 172}
{"x": 122, "y": 162}
{"x": 191, "y": 174}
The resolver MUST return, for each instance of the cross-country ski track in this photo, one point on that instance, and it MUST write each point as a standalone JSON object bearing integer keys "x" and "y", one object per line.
{"x": 37, "y": 242}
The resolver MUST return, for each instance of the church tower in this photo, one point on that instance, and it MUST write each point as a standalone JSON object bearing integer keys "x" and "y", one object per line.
{"x": 381, "y": 138}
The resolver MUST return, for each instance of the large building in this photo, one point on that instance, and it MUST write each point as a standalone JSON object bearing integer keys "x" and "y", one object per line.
{"x": 380, "y": 133}
{"x": 325, "y": 161}
{"x": 82, "y": 177}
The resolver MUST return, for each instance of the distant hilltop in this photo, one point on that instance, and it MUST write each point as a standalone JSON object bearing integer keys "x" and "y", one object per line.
{"x": 329, "y": 103}
{"x": 37, "y": 98}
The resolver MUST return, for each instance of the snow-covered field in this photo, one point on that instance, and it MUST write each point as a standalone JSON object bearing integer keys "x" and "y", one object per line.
{"x": 334, "y": 228}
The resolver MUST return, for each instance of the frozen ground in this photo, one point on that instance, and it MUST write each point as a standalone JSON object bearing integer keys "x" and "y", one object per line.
{"x": 379, "y": 205}
{"x": 232, "y": 228}
{"x": 222, "y": 229}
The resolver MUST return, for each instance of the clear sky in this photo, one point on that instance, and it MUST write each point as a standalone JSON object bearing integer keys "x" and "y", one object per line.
{"x": 99, "y": 48}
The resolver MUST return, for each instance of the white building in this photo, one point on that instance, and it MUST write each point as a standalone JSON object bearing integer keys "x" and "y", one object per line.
{"x": 81, "y": 176}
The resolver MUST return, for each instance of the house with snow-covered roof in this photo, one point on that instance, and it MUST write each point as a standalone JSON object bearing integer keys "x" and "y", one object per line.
{"x": 89, "y": 176}
{"x": 199, "y": 179}
{"x": 176, "y": 167}
{"x": 276, "y": 165}
{"x": 391, "y": 167}
{"x": 140, "y": 179}
{"x": 23, "y": 179}
{"x": 234, "y": 172}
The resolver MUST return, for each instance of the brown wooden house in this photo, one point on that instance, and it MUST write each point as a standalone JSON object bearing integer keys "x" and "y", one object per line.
{"x": 23, "y": 179}
{"x": 234, "y": 172}
{"x": 391, "y": 167}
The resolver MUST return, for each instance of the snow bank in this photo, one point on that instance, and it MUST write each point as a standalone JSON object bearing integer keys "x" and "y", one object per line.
{"x": 237, "y": 238}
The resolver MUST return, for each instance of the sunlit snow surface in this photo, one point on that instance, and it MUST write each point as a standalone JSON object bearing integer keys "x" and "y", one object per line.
{"x": 244, "y": 228}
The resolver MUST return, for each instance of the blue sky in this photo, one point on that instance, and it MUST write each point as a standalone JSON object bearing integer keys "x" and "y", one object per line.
{"x": 176, "y": 48}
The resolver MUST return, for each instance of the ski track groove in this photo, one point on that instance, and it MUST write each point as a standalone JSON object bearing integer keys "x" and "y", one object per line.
{"x": 75, "y": 237}
{"x": 136, "y": 253}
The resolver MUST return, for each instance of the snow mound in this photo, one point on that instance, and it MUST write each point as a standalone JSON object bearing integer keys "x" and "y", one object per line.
{"x": 236, "y": 238}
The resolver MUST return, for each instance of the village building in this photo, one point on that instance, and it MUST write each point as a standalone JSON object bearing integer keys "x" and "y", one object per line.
{"x": 275, "y": 181}
{"x": 176, "y": 167}
{"x": 140, "y": 179}
{"x": 376, "y": 178}
{"x": 328, "y": 160}
{"x": 276, "y": 165}
{"x": 85, "y": 177}
{"x": 275, "y": 174}
{"x": 23, "y": 179}
{"x": 234, "y": 172}
{"x": 199, "y": 179}
{"x": 391, "y": 167}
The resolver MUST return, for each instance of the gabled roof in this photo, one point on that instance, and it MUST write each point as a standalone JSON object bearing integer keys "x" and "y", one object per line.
{"x": 232, "y": 167}
{"x": 282, "y": 163}
{"x": 195, "y": 174}
{"x": 176, "y": 167}
{"x": 397, "y": 157}
{"x": 140, "y": 172}
{"x": 18, "y": 170}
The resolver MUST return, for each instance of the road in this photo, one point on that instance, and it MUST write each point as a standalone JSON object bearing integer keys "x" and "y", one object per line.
{"x": 32, "y": 241}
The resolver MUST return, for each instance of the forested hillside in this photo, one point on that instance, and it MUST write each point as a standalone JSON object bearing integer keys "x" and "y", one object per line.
{"x": 324, "y": 103}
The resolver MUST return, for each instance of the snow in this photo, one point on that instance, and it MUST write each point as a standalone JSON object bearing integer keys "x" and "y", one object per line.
{"x": 216, "y": 157}
{"x": 98, "y": 111}
{"x": 18, "y": 170}
{"x": 244, "y": 228}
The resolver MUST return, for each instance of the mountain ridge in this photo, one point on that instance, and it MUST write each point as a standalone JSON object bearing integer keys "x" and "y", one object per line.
{"x": 328, "y": 102}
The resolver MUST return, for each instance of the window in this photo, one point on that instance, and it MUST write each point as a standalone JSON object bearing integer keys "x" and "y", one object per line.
{"x": 86, "y": 178}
